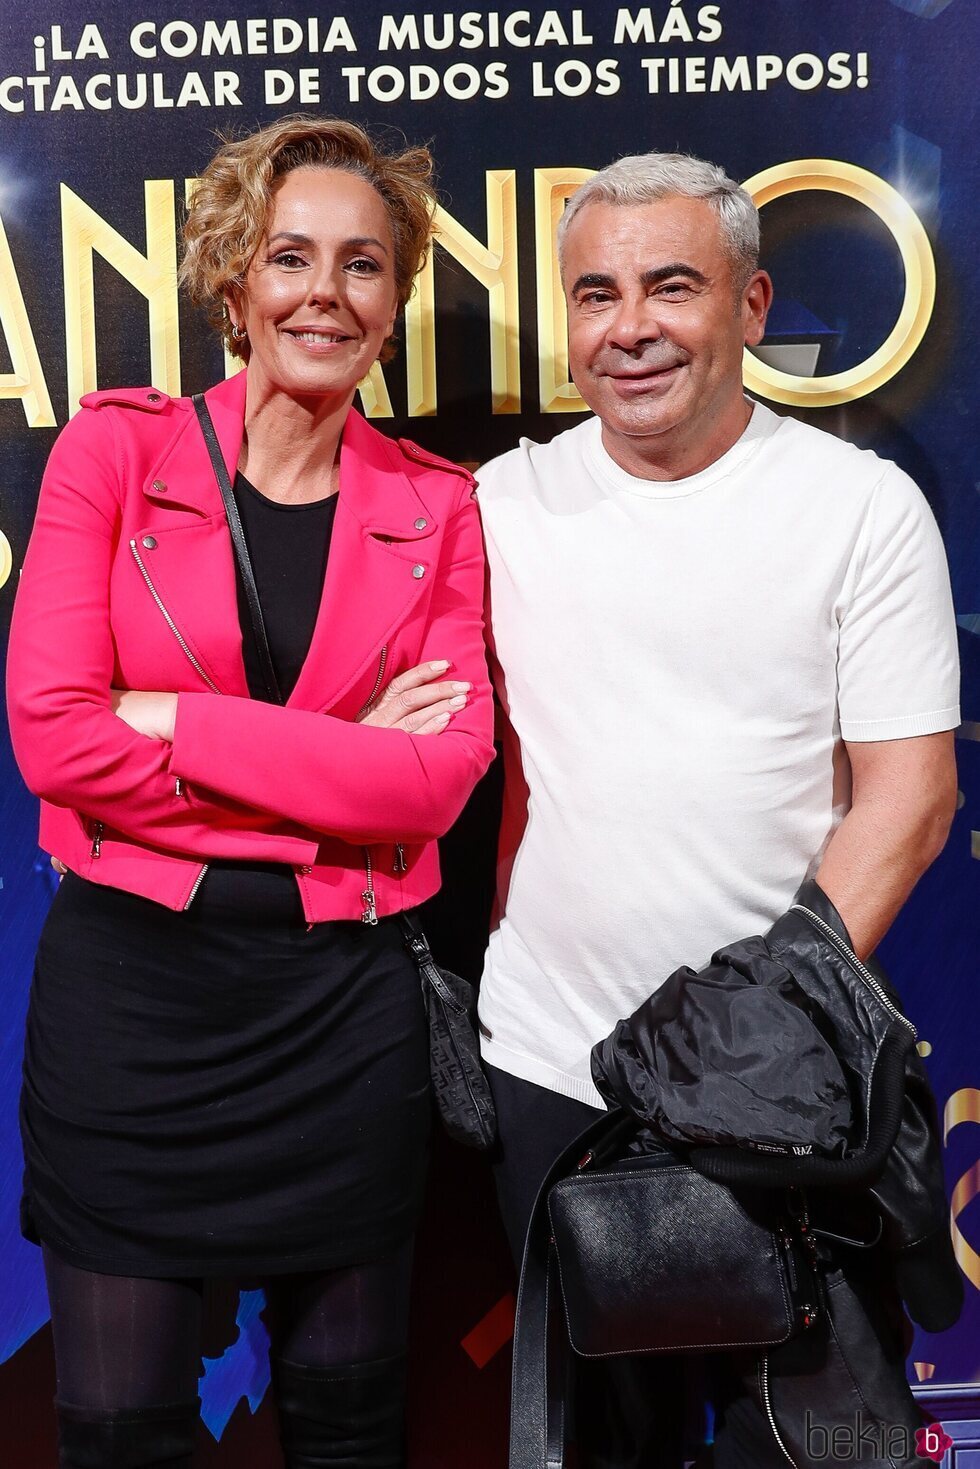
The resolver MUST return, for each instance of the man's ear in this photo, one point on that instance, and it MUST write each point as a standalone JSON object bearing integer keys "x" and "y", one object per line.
{"x": 756, "y": 301}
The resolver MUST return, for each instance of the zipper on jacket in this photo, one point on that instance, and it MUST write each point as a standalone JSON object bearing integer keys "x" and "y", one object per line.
{"x": 197, "y": 883}
{"x": 767, "y": 1404}
{"x": 366, "y": 706}
{"x": 370, "y": 912}
{"x": 860, "y": 969}
{"x": 169, "y": 620}
{"x": 400, "y": 864}
{"x": 97, "y": 831}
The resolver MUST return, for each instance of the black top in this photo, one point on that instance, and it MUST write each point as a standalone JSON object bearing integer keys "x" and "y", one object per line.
{"x": 288, "y": 546}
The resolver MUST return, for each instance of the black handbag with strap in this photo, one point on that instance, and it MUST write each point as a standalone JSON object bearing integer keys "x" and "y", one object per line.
{"x": 461, "y": 1090}
{"x": 688, "y": 1063}
{"x": 637, "y": 1252}
{"x": 681, "y": 1224}
{"x": 459, "y": 1084}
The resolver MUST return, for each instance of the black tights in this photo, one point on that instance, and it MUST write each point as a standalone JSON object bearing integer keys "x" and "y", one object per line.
{"x": 127, "y": 1342}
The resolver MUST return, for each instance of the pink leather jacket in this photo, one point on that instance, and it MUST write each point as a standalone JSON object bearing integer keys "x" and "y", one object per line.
{"x": 129, "y": 582}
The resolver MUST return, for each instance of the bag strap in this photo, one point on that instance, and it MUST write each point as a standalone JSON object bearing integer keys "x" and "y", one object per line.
{"x": 418, "y": 946}
{"x": 541, "y": 1382}
{"x": 237, "y": 530}
{"x": 542, "y": 1352}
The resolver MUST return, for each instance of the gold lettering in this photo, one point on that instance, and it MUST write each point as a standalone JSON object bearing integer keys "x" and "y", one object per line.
{"x": 154, "y": 275}
{"x": 6, "y": 554}
{"x": 494, "y": 265}
{"x": 963, "y": 1106}
{"x": 556, "y": 392}
{"x": 915, "y": 248}
{"x": 420, "y": 344}
{"x": 375, "y": 398}
{"x": 26, "y": 382}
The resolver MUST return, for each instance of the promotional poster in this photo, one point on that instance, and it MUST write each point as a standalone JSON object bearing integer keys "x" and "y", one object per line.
{"x": 852, "y": 125}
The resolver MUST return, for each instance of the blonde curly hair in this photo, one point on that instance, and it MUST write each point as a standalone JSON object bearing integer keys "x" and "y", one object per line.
{"x": 232, "y": 200}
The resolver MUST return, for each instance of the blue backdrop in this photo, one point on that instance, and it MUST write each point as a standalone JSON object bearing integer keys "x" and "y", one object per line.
{"x": 96, "y": 100}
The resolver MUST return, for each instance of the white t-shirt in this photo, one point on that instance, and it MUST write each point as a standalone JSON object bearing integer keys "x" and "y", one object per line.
{"x": 679, "y": 664}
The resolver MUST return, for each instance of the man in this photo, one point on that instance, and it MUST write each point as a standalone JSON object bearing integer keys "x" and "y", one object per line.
{"x": 726, "y": 654}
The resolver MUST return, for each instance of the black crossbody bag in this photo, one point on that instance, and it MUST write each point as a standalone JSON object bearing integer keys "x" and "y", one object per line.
{"x": 665, "y": 1248}
{"x": 638, "y": 1252}
{"x": 461, "y": 1090}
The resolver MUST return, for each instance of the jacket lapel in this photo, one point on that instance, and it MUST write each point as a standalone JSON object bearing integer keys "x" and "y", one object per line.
{"x": 382, "y": 553}
{"x": 184, "y": 470}
{"x": 190, "y": 559}
{"x": 372, "y": 579}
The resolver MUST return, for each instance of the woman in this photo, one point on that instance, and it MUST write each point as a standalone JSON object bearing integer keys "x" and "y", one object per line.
{"x": 226, "y": 1063}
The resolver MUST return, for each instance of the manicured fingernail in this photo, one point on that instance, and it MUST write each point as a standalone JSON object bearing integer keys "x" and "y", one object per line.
{"x": 441, "y": 719}
{"x": 461, "y": 688}
{"x": 440, "y": 663}
{"x": 458, "y": 703}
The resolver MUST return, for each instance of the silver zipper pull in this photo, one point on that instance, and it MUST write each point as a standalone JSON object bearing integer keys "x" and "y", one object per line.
{"x": 97, "y": 839}
{"x": 178, "y": 787}
{"x": 370, "y": 914}
{"x": 401, "y": 865}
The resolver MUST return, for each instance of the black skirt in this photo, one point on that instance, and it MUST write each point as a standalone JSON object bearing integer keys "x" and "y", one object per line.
{"x": 221, "y": 1091}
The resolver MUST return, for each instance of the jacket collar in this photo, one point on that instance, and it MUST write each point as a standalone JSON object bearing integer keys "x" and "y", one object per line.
{"x": 374, "y": 485}
{"x": 182, "y": 478}
{"x": 381, "y": 557}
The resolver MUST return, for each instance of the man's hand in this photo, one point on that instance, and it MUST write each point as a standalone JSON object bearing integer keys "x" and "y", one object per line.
{"x": 419, "y": 701}
{"x": 150, "y": 714}
{"x": 902, "y": 802}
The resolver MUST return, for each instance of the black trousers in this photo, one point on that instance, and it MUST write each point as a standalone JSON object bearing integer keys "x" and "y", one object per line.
{"x": 845, "y": 1375}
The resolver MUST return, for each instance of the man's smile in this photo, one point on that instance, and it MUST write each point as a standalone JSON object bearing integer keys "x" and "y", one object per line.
{"x": 643, "y": 377}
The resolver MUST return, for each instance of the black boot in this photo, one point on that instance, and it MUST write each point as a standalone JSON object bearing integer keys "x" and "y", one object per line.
{"x": 350, "y": 1417}
{"x": 127, "y": 1438}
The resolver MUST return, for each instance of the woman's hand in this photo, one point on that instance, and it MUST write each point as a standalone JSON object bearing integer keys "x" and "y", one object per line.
{"x": 150, "y": 714}
{"x": 419, "y": 701}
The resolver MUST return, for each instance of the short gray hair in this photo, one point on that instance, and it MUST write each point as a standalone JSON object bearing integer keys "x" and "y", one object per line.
{"x": 646, "y": 177}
